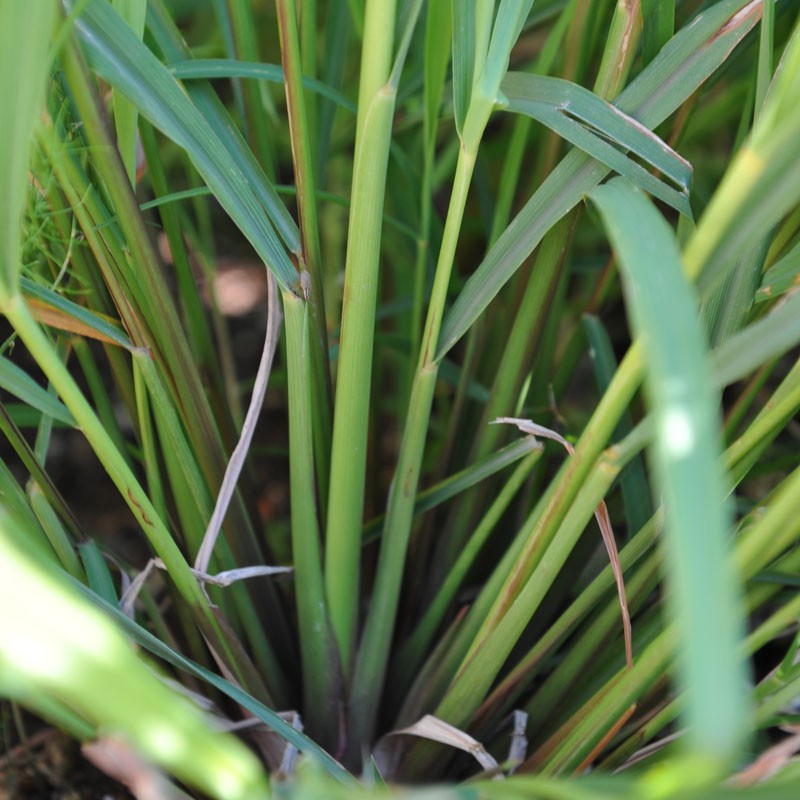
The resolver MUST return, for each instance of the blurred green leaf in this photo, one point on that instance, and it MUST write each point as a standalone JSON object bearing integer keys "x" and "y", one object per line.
{"x": 762, "y": 183}
{"x": 704, "y": 593}
{"x": 780, "y": 277}
{"x": 24, "y": 64}
{"x": 57, "y": 645}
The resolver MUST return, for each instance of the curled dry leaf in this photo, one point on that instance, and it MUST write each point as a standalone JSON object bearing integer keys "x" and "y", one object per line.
{"x": 437, "y": 730}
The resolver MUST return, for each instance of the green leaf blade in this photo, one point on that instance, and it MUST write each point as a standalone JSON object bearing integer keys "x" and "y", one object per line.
{"x": 704, "y": 593}
{"x": 122, "y": 60}
{"x": 687, "y": 60}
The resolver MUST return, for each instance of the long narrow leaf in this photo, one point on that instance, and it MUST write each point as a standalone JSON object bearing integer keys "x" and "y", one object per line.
{"x": 704, "y": 594}
{"x": 161, "y": 26}
{"x": 604, "y": 132}
{"x": 230, "y": 68}
{"x": 128, "y": 65}
{"x": 56, "y": 310}
{"x": 681, "y": 67}
{"x": 455, "y": 484}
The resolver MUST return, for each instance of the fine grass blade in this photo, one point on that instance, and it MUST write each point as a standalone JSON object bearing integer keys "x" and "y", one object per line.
{"x": 317, "y": 645}
{"x": 727, "y": 306}
{"x": 126, "y": 117}
{"x": 216, "y": 68}
{"x": 604, "y": 132}
{"x": 689, "y": 58}
{"x": 704, "y": 592}
{"x": 460, "y": 482}
{"x": 633, "y": 481}
{"x": 98, "y": 575}
{"x": 129, "y": 66}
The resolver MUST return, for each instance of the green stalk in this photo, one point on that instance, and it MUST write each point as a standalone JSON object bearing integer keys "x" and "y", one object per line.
{"x": 523, "y": 341}
{"x": 126, "y": 117}
{"x": 307, "y": 22}
{"x": 153, "y": 526}
{"x": 436, "y": 59}
{"x": 635, "y": 554}
{"x": 379, "y": 630}
{"x": 524, "y": 555}
{"x": 147, "y": 438}
{"x": 320, "y": 676}
{"x": 376, "y": 104}
{"x": 528, "y": 327}
{"x": 198, "y": 330}
{"x": 500, "y": 633}
{"x": 599, "y": 714}
{"x": 189, "y": 487}
{"x": 553, "y": 695}
{"x": 303, "y": 159}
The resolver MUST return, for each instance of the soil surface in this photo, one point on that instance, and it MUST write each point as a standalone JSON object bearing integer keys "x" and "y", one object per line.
{"x": 50, "y": 766}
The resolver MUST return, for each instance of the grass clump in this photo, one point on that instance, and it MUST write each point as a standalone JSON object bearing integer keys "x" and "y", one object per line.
{"x": 343, "y": 549}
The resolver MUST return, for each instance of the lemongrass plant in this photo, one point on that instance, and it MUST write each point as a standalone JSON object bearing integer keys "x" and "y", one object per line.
{"x": 508, "y": 247}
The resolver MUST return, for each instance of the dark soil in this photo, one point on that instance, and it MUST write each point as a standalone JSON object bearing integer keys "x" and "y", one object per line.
{"x": 50, "y": 766}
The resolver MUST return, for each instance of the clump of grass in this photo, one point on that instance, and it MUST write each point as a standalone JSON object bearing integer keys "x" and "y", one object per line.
{"x": 435, "y": 583}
